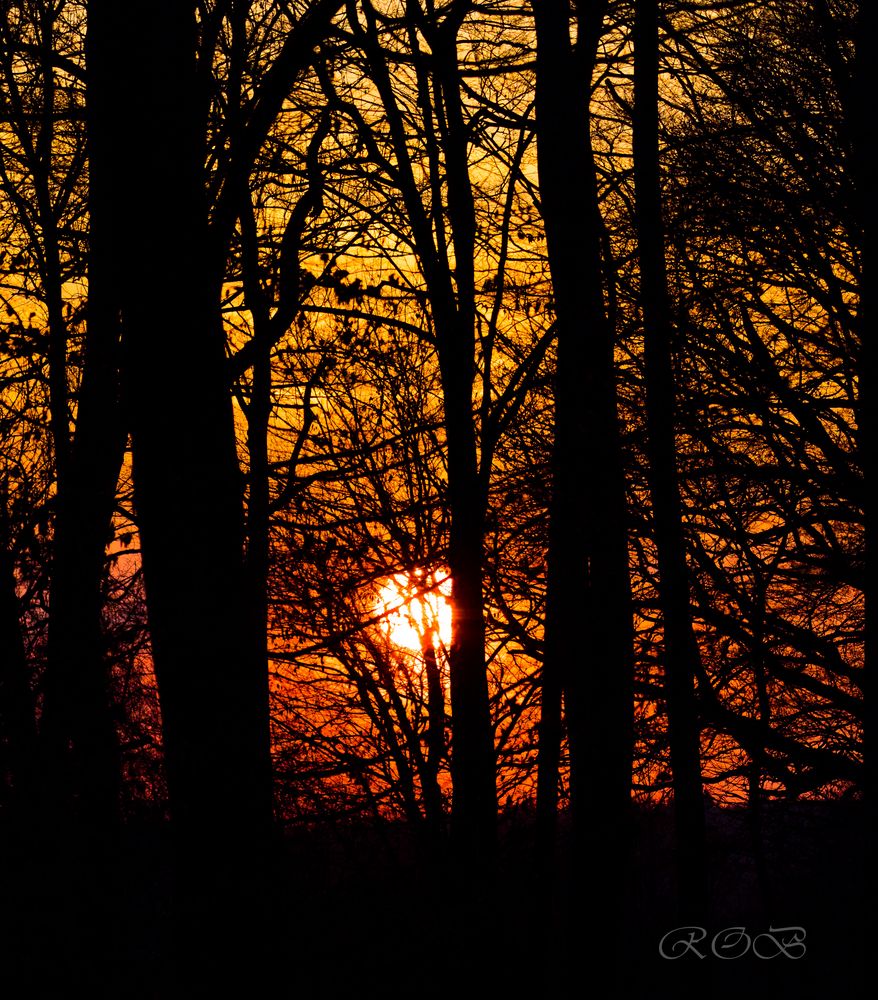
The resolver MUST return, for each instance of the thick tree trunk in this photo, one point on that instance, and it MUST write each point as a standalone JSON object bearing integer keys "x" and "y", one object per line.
{"x": 588, "y": 632}
{"x": 188, "y": 486}
{"x": 681, "y": 655}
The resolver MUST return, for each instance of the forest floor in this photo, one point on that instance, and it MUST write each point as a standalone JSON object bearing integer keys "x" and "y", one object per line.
{"x": 355, "y": 913}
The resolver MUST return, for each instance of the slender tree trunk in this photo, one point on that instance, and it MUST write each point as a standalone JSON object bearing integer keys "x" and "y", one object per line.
{"x": 258, "y": 554}
{"x": 18, "y": 732}
{"x": 258, "y": 411}
{"x": 435, "y": 740}
{"x": 50, "y": 251}
{"x": 473, "y": 765}
{"x": 588, "y": 632}
{"x": 865, "y": 178}
{"x": 188, "y": 486}
{"x": 681, "y": 655}
{"x": 474, "y": 800}
{"x": 77, "y": 728}
{"x": 755, "y": 815}
{"x": 452, "y": 302}
{"x": 548, "y": 764}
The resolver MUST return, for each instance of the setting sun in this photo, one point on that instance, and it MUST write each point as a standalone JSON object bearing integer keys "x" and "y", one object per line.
{"x": 414, "y": 608}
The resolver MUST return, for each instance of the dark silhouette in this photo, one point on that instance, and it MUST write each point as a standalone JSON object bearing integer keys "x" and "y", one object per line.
{"x": 77, "y": 728}
{"x": 432, "y": 437}
{"x": 451, "y": 291}
{"x": 681, "y": 655}
{"x": 188, "y": 488}
{"x": 588, "y": 612}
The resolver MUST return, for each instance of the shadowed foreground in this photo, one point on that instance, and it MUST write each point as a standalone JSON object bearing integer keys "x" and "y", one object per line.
{"x": 353, "y": 912}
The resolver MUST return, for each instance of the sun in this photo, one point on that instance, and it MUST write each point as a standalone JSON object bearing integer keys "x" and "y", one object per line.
{"x": 415, "y": 610}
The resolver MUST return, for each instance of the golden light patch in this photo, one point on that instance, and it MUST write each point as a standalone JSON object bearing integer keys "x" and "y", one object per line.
{"x": 415, "y": 610}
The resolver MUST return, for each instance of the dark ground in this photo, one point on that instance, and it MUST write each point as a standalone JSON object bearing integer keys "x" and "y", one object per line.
{"x": 354, "y": 914}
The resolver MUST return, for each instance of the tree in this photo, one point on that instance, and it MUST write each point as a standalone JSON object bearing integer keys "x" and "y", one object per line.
{"x": 588, "y": 610}
{"x": 451, "y": 289}
{"x": 42, "y": 172}
{"x": 187, "y": 482}
{"x": 762, "y": 245}
{"x": 681, "y": 654}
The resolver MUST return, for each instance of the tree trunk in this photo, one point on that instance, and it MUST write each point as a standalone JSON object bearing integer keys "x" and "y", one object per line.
{"x": 473, "y": 766}
{"x": 258, "y": 550}
{"x": 188, "y": 486}
{"x": 681, "y": 654}
{"x": 474, "y": 801}
{"x": 865, "y": 170}
{"x": 588, "y": 632}
{"x": 59, "y": 421}
{"x": 18, "y": 733}
{"x": 435, "y": 741}
{"x": 77, "y": 728}
{"x": 452, "y": 302}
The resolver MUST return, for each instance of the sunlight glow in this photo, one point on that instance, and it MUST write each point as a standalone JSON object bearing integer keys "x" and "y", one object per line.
{"x": 415, "y": 609}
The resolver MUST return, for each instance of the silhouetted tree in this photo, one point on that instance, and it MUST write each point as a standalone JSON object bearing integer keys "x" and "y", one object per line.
{"x": 76, "y": 719}
{"x": 187, "y": 483}
{"x": 18, "y": 730}
{"x": 681, "y": 656}
{"x": 588, "y": 640}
